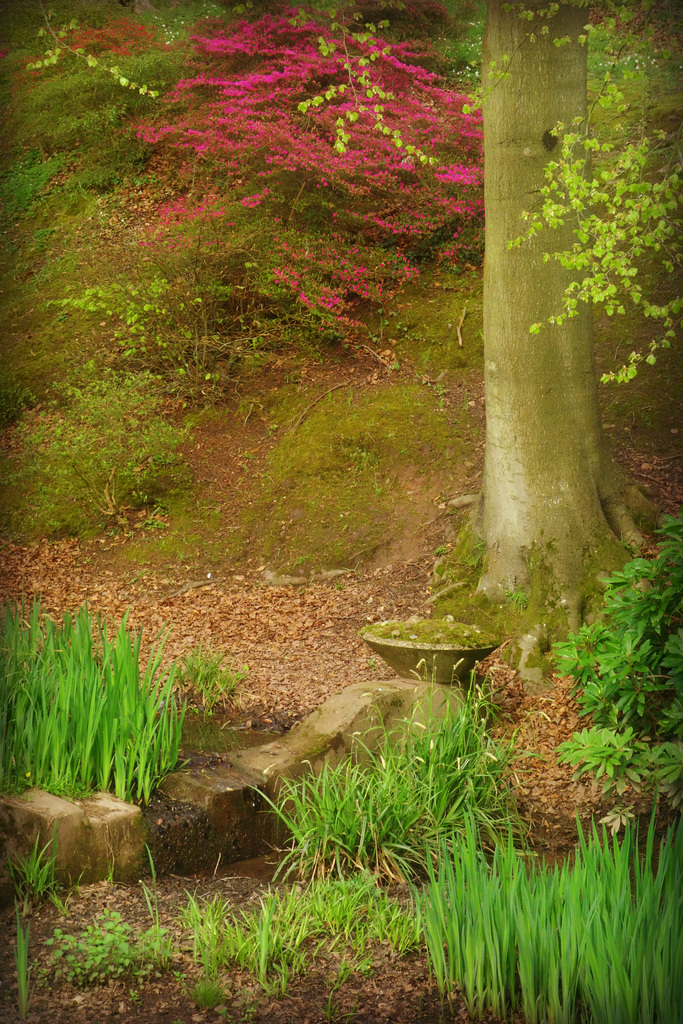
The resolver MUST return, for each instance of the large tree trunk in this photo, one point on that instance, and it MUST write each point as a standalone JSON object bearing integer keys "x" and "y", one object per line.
{"x": 551, "y": 492}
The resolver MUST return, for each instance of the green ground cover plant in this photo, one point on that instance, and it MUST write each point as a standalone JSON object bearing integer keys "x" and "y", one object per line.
{"x": 385, "y": 813}
{"x": 600, "y": 939}
{"x": 108, "y": 949}
{"x": 78, "y": 713}
{"x": 276, "y": 941}
{"x": 100, "y": 449}
{"x": 23, "y": 182}
{"x": 628, "y": 669}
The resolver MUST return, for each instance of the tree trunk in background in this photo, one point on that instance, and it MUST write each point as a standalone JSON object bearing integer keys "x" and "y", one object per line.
{"x": 551, "y": 493}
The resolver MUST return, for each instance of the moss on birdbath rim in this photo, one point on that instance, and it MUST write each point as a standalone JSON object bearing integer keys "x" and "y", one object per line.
{"x": 433, "y": 631}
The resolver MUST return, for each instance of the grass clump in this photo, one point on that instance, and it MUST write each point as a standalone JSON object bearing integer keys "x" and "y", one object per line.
{"x": 103, "y": 449}
{"x": 387, "y": 814}
{"x": 207, "y": 993}
{"x": 78, "y": 715}
{"x": 33, "y": 876}
{"x": 598, "y": 940}
{"x": 203, "y": 674}
{"x": 276, "y": 941}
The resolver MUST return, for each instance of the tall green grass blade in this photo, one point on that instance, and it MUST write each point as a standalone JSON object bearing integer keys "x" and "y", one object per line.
{"x": 77, "y": 712}
{"x": 602, "y": 937}
{"x": 21, "y": 964}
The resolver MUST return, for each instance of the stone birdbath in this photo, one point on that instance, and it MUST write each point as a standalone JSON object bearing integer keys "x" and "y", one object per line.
{"x": 438, "y": 650}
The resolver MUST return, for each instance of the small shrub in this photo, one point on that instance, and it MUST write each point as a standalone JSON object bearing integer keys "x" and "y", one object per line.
{"x": 14, "y": 398}
{"x": 104, "y": 951}
{"x": 375, "y": 187}
{"x": 170, "y": 325}
{"x": 629, "y": 677}
{"x": 107, "y": 450}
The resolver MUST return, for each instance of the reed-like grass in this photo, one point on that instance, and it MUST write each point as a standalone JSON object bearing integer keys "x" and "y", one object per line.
{"x": 387, "y": 814}
{"x": 33, "y": 876}
{"x": 22, "y": 965}
{"x": 77, "y": 714}
{"x": 598, "y": 940}
{"x": 205, "y": 677}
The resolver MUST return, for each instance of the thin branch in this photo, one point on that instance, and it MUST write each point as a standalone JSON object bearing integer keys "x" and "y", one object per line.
{"x": 378, "y": 357}
{"x": 308, "y": 408}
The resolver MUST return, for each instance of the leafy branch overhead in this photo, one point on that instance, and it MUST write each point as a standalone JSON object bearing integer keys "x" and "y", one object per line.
{"x": 620, "y": 215}
{"x": 622, "y": 197}
{"x": 62, "y": 46}
{"x": 360, "y": 85}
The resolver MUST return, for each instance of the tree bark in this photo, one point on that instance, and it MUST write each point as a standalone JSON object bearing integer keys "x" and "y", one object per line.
{"x": 551, "y": 493}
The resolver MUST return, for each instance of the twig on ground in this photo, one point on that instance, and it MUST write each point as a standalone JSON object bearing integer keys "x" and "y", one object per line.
{"x": 192, "y": 585}
{"x": 444, "y": 591}
{"x": 378, "y": 357}
{"x": 461, "y": 322}
{"x": 308, "y": 408}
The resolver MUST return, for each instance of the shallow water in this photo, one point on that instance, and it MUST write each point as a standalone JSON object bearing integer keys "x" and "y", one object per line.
{"x": 262, "y": 868}
{"x": 209, "y": 735}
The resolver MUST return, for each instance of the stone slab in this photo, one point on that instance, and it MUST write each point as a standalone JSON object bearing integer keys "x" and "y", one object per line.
{"x": 238, "y": 821}
{"x": 93, "y": 836}
{"x": 115, "y": 840}
{"x": 238, "y": 824}
{"x": 356, "y": 719}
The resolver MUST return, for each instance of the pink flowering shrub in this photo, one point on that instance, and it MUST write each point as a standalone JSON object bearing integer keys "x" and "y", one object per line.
{"x": 120, "y": 37}
{"x": 242, "y": 110}
{"x": 338, "y": 228}
{"x": 317, "y": 170}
